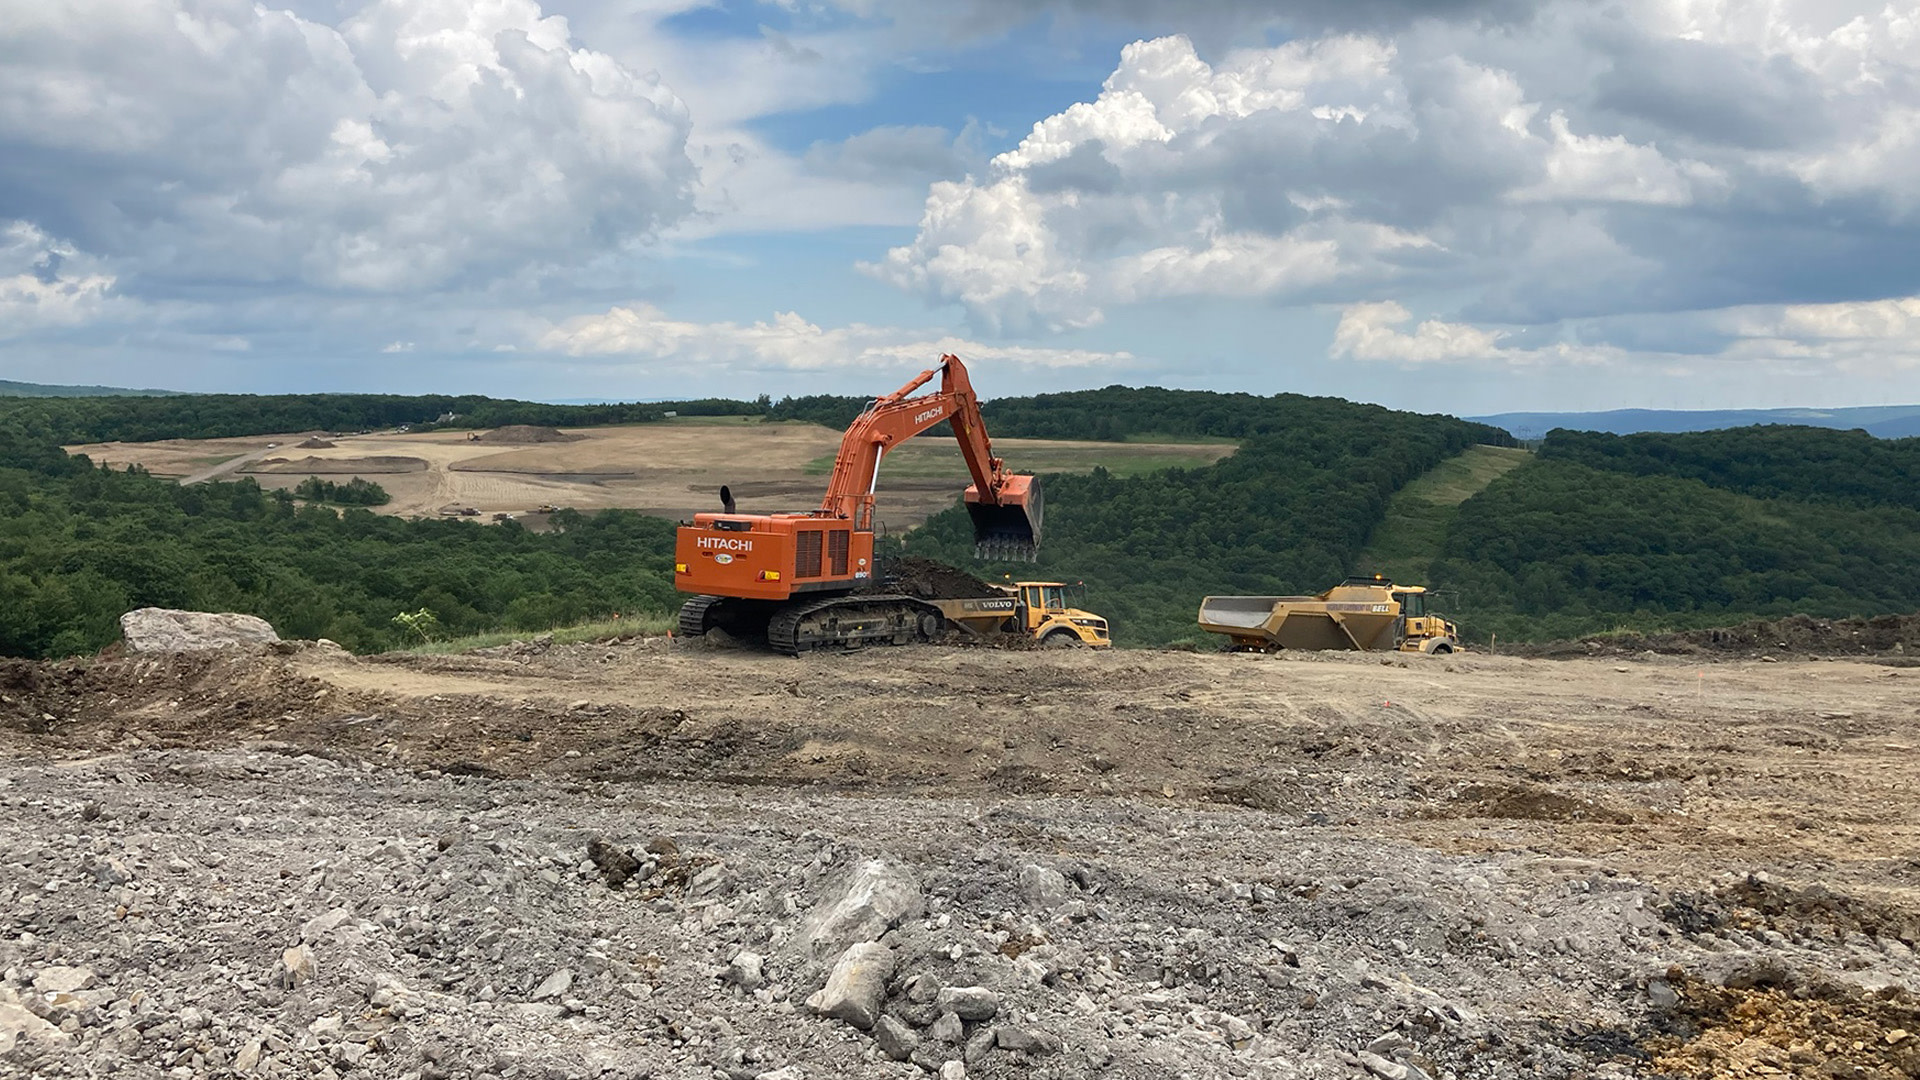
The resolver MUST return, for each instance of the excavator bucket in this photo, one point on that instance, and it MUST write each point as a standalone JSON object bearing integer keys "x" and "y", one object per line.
{"x": 1007, "y": 531}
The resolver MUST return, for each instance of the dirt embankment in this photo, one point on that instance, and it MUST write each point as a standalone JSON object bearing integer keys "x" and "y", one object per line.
{"x": 522, "y": 434}
{"x": 1892, "y": 637}
{"x": 384, "y": 464}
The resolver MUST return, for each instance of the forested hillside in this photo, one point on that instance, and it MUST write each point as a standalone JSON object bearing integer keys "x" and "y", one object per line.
{"x": 80, "y": 545}
{"x": 1773, "y": 461}
{"x": 1288, "y": 513}
{"x": 1682, "y": 530}
{"x": 217, "y": 416}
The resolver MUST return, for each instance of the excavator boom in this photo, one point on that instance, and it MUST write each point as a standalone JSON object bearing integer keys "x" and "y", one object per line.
{"x": 1006, "y": 509}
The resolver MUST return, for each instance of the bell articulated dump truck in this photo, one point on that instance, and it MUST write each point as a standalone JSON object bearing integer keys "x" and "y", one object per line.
{"x": 1360, "y": 613}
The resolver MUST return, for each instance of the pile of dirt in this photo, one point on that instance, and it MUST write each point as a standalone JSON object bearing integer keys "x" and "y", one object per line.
{"x": 315, "y": 443}
{"x": 317, "y": 466}
{"x": 1764, "y": 1021}
{"x": 1798, "y": 635}
{"x": 526, "y": 433}
{"x": 932, "y": 580}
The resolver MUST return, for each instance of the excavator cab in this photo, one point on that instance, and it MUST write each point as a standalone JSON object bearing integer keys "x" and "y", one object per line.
{"x": 1009, "y": 531}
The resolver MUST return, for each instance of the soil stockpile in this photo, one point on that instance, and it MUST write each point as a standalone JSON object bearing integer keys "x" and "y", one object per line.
{"x": 932, "y": 580}
{"x": 319, "y": 466}
{"x": 1796, "y": 635}
{"x": 645, "y": 858}
{"x": 315, "y": 443}
{"x": 527, "y": 433}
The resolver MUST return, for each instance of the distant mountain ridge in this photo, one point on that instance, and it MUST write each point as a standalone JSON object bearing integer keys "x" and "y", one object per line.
{"x": 1885, "y": 421}
{"x": 9, "y": 388}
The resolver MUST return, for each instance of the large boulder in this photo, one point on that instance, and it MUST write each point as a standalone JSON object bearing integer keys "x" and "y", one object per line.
{"x": 869, "y": 899}
{"x": 161, "y": 630}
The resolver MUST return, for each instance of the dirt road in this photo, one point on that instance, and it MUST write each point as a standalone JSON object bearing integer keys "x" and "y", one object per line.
{"x": 1159, "y": 864}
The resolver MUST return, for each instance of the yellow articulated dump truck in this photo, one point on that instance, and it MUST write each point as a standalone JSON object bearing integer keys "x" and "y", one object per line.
{"x": 1360, "y": 613}
{"x": 1032, "y": 609}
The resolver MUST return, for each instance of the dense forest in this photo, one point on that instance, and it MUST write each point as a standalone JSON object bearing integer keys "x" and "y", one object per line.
{"x": 355, "y": 492}
{"x": 218, "y": 416}
{"x": 79, "y": 545}
{"x": 1767, "y": 461}
{"x": 1681, "y": 530}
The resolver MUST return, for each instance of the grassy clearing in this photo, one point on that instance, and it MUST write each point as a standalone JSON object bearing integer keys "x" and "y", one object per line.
{"x": 711, "y": 421}
{"x": 936, "y": 460}
{"x": 1406, "y": 543}
{"x": 601, "y": 630}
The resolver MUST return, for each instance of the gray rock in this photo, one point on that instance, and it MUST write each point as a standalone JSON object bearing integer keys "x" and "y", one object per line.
{"x": 1390, "y": 1070}
{"x": 554, "y": 985}
{"x": 297, "y": 967}
{"x": 1044, "y": 888}
{"x": 151, "y": 630}
{"x": 1036, "y": 1043}
{"x": 321, "y": 925}
{"x": 953, "y": 1070}
{"x": 60, "y": 979}
{"x": 969, "y": 1002}
{"x": 1661, "y": 995}
{"x": 857, "y": 988}
{"x": 947, "y": 1029}
{"x": 18, "y": 1026}
{"x": 747, "y": 970}
{"x": 870, "y": 899}
{"x": 979, "y": 1046}
{"x": 895, "y": 1039}
{"x": 922, "y": 988}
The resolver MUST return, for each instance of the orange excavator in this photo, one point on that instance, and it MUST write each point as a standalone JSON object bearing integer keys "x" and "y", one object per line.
{"x": 807, "y": 579}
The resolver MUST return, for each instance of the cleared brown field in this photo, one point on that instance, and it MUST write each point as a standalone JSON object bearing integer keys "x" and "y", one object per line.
{"x": 670, "y": 469}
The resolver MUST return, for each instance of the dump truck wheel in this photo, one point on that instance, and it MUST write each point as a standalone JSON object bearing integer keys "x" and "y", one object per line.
{"x": 1442, "y": 650}
{"x": 1060, "y": 639}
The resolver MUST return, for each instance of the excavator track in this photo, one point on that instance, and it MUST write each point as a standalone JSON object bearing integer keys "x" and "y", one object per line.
{"x": 853, "y": 622}
{"x": 693, "y": 615}
{"x": 741, "y": 618}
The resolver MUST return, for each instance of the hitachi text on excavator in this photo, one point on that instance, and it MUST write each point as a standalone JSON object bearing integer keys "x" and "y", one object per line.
{"x": 807, "y": 579}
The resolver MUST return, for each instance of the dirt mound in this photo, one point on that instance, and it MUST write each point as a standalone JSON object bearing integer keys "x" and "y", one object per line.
{"x": 1780, "y": 1023}
{"x": 314, "y": 443}
{"x": 1804, "y": 635}
{"x": 522, "y": 434}
{"x": 932, "y": 580}
{"x": 317, "y": 466}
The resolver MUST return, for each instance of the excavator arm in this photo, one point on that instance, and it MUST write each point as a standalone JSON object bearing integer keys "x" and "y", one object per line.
{"x": 1006, "y": 508}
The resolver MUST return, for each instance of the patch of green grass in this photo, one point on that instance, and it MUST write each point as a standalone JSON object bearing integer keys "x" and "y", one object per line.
{"x": 600, "y": 630}
{"x": 1410, "y": 538}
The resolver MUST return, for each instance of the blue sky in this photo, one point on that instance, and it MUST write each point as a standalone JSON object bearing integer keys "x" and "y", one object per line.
{"x": 1464, "y": 205}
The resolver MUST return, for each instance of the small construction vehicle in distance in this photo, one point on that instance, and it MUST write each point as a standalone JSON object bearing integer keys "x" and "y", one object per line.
{"x": 1032, "y": 609}
{"x": 1360, "y": 613}
{"x": 805, "y": 579}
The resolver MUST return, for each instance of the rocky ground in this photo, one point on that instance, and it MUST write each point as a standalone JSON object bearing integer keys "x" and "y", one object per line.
{"x": 658, "y": 859}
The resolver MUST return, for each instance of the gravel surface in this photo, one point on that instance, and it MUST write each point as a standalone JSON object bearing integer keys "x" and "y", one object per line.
{"x": 185, "y": 893}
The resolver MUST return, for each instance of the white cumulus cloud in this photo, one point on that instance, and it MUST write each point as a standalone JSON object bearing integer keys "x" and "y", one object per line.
{"x": 642, "y": 333}
{"x": 45, "y": 282}
{"x": 415, "y": 144}
{"x": 1585, "y": 162}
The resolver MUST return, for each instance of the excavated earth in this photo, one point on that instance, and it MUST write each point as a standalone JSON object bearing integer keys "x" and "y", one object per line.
{"x": 612, "y": 860}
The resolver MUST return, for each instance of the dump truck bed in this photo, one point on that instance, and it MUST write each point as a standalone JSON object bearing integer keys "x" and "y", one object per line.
{"x": 1300, "y": 622}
